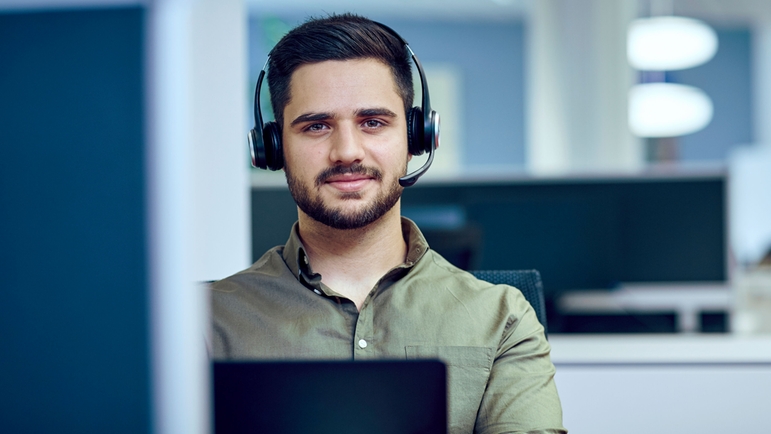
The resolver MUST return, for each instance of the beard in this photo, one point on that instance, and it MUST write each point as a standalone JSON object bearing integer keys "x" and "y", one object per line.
{"x": 337, "y": 218}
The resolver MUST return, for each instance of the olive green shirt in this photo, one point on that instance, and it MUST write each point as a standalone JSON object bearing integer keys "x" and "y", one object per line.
{"x": 500, "y": 376}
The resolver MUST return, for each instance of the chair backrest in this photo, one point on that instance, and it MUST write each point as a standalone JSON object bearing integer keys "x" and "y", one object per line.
{"x": 527, "y": 281}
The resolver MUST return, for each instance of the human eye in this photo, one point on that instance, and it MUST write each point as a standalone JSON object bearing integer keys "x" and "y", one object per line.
{"x": 315, "y": 128}
{"x": 373, "y": 124}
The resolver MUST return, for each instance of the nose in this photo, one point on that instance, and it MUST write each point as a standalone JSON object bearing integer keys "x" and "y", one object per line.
{"x": 347, "y": 147}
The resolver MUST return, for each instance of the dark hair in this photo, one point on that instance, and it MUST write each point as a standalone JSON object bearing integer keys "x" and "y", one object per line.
{"x": 336, "y": 37}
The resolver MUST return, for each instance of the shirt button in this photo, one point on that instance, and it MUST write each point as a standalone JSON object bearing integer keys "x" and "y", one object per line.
{"x": 362, "y": 343}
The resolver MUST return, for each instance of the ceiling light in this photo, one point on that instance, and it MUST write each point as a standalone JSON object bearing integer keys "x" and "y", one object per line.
{"x": 667, "y": 109}
{"x": 669, "y": 43}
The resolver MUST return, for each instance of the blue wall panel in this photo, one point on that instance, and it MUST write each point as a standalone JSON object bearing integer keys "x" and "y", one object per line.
{"x": 727, "y": 79}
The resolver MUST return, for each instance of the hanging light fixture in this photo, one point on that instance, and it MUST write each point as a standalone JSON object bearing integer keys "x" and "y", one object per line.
{"x": 667, "y": 109}
{"x": 669, "y": 43}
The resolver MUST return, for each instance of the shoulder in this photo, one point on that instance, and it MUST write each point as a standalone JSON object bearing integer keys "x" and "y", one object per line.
{"x": 435, "y": 268}
{"x": 270, "y": 266}
{"x": 238, "y": 304}
{"x": 433, "y": 271}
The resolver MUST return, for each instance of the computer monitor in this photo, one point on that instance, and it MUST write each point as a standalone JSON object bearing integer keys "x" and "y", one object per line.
{"x": 586, "y": 233}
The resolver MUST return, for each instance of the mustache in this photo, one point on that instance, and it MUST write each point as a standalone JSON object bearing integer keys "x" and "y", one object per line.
{"x": 356, "y": 168}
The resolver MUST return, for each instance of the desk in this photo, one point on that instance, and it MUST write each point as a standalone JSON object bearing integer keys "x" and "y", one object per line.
{"x": 665, "y": 384}
{"x": 686, "y": 300}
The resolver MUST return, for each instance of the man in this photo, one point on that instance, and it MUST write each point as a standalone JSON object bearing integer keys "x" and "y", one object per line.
{"x": 357, "y": 281}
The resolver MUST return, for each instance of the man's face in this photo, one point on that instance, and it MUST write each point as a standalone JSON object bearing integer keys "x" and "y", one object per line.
{"x": 345, "y": 141}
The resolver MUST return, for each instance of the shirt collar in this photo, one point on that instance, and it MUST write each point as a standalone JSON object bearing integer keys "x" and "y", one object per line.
{"x": 297, "y": 260}
{"x": 416, "y": 243}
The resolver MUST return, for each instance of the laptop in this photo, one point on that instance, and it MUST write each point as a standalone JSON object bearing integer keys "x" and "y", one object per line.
{"x": 340, "y": 397}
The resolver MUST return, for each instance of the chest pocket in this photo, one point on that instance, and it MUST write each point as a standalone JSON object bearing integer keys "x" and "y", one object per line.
{"x": 468, "y": 369}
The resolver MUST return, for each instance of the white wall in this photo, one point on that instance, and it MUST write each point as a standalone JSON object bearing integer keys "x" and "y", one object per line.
{"x": 761, "y": 81}
{"x": 579, "y": 80}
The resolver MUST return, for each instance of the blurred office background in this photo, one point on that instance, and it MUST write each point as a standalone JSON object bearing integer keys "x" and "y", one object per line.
{"x": 126, "y": 180}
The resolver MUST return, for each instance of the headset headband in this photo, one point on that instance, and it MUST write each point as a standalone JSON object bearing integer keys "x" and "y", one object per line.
{"x": 422, "y": 125}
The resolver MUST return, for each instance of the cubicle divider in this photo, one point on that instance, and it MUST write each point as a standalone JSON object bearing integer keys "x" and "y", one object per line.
{"x": 74, "y": 326}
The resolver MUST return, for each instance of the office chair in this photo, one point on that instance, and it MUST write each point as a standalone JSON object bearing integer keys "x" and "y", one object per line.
{"x": 527, "y": 281}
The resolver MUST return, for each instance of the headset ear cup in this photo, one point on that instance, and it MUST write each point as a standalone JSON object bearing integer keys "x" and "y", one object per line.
{"x": 431, "y": 132}
{"x": 274, "y": 153}
{"x": 257, "y": 149}
{"x": 415, "y": 131}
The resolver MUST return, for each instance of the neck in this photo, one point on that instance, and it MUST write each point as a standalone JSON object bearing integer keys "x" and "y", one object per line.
{"x": 351, "y": 261}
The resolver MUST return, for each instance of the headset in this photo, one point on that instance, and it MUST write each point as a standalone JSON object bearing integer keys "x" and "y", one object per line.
{"x": 422, "y": 127}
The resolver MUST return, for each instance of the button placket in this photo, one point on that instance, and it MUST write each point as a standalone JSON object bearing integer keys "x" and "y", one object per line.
{"x": 362, "y": 342}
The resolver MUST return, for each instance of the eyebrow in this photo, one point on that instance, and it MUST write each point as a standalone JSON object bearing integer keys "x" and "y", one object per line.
{"x": 313, "y": 117}
{"x": 379, "y": 111}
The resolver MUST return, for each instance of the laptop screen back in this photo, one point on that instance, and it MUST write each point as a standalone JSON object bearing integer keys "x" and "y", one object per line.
{"x": 373, "y": 397}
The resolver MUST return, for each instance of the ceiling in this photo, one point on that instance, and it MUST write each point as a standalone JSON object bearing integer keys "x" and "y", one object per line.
{"x": 718, "y": 11}
{"x": 441, "y": 9}
{"x": 726, "y": 11}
